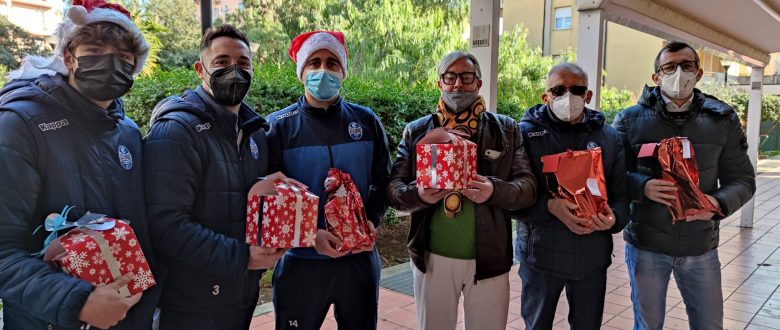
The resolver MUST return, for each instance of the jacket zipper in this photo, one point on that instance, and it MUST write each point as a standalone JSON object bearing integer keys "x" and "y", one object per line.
{"x": 477, "y": 207}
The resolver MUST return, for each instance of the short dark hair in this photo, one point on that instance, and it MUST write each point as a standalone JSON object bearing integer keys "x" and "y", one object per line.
{"x": 672, "y": 47}
{"x": 224, "y": 30}
{"x": 105, "y": 33}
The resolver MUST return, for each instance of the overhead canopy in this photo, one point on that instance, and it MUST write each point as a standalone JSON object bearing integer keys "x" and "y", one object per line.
{"x": 744, "y": 30}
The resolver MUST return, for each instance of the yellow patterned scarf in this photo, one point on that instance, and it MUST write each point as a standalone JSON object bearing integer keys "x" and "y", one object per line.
{"x": 466, "y": 121}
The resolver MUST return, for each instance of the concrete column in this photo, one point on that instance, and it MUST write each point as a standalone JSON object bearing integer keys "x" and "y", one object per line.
{"x": 753, "y": 127}
{"x": 590, "y": 50}
{"x": 484, "y": 45}
{"x": 547, "y": 29}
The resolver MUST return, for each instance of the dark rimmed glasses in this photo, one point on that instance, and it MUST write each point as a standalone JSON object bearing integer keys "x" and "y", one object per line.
{"x": 670, "y": 68}
{"x": 449, "y": 78}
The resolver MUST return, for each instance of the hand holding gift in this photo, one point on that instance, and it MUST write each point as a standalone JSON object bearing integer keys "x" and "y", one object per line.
{"x": 105, "y": 306}
{"x": 678, "y": 169}
{"x": 565, "y": 211}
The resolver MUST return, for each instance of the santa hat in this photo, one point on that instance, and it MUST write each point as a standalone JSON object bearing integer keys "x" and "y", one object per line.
{"x": 80, "y": 14}
{"x": 309, "y": 43}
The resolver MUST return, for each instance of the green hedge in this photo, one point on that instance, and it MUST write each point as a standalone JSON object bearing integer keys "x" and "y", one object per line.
{"x": 275, "y": 87}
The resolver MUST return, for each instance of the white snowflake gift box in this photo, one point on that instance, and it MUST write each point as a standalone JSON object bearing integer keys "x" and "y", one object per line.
{"x": 98, "y": 250}
{"x": 288, "y": 218}
{"x": 446, "y": 159}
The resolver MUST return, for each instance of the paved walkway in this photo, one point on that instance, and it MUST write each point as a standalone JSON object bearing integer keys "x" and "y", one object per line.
{"x": 751, "y": 278}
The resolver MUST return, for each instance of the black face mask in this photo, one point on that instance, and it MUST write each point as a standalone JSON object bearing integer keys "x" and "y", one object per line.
{"x": 230, "y": 84}
{"x": 103, "y": 77}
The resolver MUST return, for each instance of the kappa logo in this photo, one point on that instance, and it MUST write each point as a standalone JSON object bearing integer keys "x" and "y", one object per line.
{"x": 287, "y": 114}
{"x": 355, "y": 130}
{"x": 538, "y": 133}
{"x": 53, "y": 125}
{"x": 253, "y": 149}
{"x": 125, "y": 158}
{"x": 202, "y": 127}
{"x": 592, "y": 145}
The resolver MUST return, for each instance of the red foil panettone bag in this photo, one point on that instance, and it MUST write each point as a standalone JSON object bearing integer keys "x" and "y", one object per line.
{"x": 345, "y": 213}
{"x": 678, "y": 164}
{"x": 578, "y": 177}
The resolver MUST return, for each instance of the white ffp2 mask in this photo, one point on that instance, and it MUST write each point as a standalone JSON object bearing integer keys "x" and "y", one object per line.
{"x": 678, "y": 85}
{"x": 568, "y": 106}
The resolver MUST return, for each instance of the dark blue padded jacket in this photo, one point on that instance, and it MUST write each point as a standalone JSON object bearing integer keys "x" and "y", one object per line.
{"x": 198, "y": 171}
{"x": 305, "y": 142}
{"x": 550, "y": 246}
{"x": 58, "y": 148}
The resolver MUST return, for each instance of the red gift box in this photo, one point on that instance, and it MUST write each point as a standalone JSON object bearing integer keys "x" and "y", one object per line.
{"x": 289, "y": 215}
{"x": 344, "y": 212}
{"x": 446, "y": 159}
{"x": 101, "y": 252}
{"x": 678, "y": 165}
{"x": 578, "y": 177}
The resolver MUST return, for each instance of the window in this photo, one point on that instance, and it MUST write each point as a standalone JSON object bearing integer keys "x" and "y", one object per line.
{"x": 563, "y": 18}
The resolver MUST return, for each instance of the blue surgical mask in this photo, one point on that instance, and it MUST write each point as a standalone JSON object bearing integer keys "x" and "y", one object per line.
{"x": 323, "y": 85}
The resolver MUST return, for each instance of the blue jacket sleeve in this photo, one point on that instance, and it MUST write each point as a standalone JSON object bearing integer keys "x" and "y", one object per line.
{"x": 27, "y": 282}
{"x": 736, "y": 174}
{"x": 380, "y": 176}
{"x": 173, "y": 165}
{"x": 616, "y": 188}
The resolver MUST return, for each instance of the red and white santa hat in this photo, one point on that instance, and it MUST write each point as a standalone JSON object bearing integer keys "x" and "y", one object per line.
{"x": 309, "y": 43}
{"x": 80, "y": 14}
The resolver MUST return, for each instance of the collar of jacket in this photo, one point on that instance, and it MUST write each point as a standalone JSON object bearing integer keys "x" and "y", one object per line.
{"x": 249, "y": 120}
{"x": 76, "y": 103}
{"x": 332, "y": 110}
{"x": 652, "y": 98}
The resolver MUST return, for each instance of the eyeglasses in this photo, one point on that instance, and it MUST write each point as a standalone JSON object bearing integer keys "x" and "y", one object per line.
{"x": 561, "y": 90}
{"x": 670, "y": 68}
{"x": 449, "y": 78}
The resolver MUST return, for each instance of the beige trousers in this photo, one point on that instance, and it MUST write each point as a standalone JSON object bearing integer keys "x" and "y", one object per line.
{"x": 437, "y": 294}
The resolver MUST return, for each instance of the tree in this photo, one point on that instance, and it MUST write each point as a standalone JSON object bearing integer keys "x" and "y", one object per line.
{"x": 15, "y": 43}
{"x": 179, "y": 30}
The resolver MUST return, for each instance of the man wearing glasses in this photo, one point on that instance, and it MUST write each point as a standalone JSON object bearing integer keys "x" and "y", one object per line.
{"x": 656, "y": 247}
{"x": 556, "y": 248}
{"x": 465, "y": 248}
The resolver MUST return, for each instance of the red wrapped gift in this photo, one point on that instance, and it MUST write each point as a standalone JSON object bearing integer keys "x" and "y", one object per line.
{"x": 678, "y": 165}
{"x": 289, "y": 215}
{"x": 99, "y": 250}
{"x": 578, "y": 177}
{"x": 344, "y": 212}
{"x": 446, "y": 159}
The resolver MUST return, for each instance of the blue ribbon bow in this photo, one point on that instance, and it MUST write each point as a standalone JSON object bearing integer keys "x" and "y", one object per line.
{"x": 55, "y": 222}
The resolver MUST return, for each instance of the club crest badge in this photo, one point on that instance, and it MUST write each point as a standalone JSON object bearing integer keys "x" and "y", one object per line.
{"x": 125, "y": 158}
{"x": 355, "y": 131}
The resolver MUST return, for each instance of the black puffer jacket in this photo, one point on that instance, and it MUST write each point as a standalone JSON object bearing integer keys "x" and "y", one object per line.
{"x": 725, "y": 171}
{"x": 198, "y": 173}
{"x": 514, "y": 188}
{"x": 550, "y": 246}
{"x": 57, "y": 148}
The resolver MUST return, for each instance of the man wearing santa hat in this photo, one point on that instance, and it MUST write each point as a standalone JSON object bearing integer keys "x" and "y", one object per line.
{"x": 65, "y": 140}
{"x": 318, "y": 132}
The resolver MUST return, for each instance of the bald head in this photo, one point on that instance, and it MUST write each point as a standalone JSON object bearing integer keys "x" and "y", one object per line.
{"x": 569, "y": 69}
